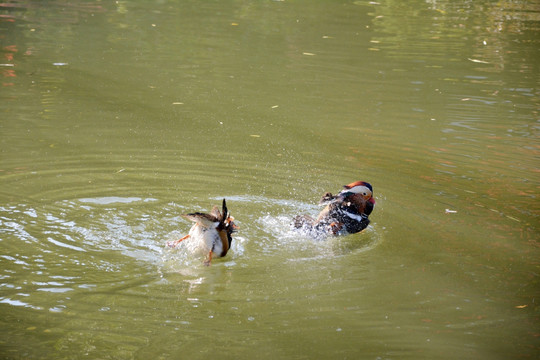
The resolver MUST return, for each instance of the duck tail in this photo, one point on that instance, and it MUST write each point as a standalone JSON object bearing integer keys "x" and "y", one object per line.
{"x": 224, "y": 210}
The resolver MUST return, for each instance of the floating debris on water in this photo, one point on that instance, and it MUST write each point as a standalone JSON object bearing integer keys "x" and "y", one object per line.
{"x": 478, "y": 61}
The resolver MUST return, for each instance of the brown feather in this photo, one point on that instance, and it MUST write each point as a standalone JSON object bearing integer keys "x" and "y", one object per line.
{"x": 215, "y": 212}
{"x": 203, "y": 219}
{"x": 224, "y": 242}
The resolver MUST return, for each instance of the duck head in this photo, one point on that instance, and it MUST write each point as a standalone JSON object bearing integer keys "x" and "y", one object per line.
{"x": 360, "y": 193}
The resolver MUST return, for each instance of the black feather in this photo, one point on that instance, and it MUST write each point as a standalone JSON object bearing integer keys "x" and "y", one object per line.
{"x": 225, "y": 211}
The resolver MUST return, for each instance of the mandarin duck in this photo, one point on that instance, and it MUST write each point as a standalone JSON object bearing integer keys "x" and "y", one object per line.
{"x": 344, "y": 213}
{"x": 212, "y": 232}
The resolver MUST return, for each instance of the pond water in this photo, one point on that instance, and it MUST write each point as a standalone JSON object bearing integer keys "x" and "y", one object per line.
{"x": 119, "y": 116}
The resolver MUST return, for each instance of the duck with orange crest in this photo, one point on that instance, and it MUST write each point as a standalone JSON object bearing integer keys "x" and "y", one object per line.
{"x": 212, "y": 232}
{"x": 344, "y": 213}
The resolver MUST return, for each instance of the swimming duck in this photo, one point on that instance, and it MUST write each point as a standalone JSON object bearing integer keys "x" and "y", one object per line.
{"x": 212, "y": 232}
{"x": 344, "y": 213}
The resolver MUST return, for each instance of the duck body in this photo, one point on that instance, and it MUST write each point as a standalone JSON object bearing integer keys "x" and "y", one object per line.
{"x": 212, "y": 232}
{"x": 345, "y": 213}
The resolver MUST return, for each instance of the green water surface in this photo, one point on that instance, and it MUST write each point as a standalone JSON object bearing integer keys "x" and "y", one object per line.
{"x": 119, "y": 116}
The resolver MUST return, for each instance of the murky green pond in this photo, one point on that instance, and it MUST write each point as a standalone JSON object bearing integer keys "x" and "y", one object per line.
{"x": 119, "y": 116}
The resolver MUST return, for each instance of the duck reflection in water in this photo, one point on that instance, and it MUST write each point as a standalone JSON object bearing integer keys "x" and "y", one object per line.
{"x": 344, "y": 213}
{"x": 212, "y": 232}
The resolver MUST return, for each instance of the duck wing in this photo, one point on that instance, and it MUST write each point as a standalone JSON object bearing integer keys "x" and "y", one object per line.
{"x": 328, "y": 198}
{"x": 205, "y": 220}
{"x": 215, "y": 213}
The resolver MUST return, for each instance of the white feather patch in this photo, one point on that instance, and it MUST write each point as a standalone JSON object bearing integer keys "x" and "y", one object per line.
{"x": 354, "y": 216}
{"x": 359, "y": 189}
